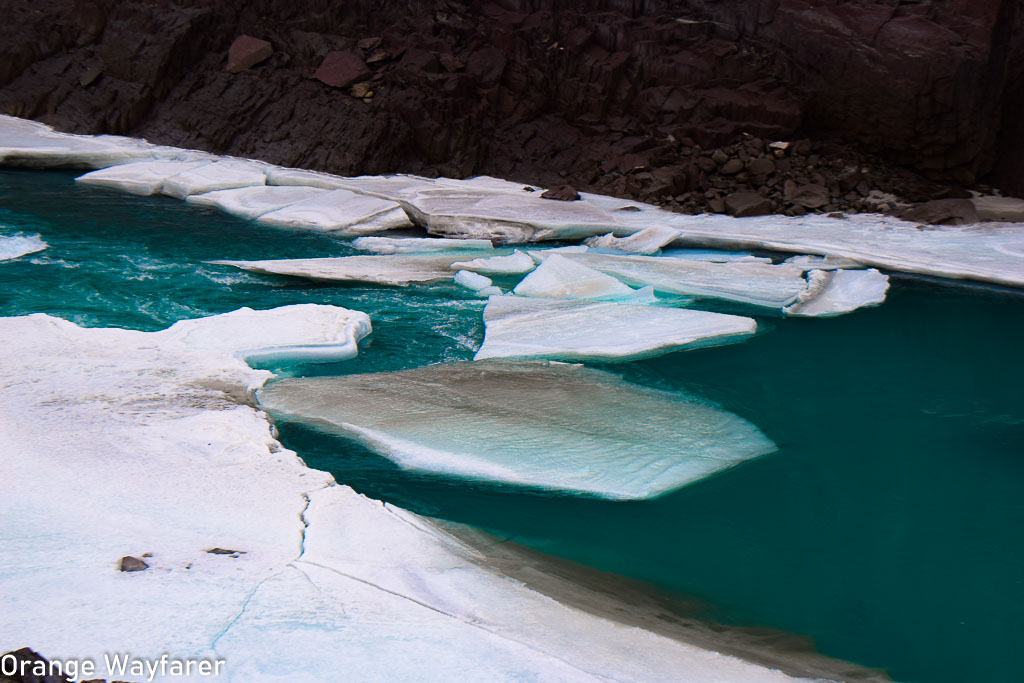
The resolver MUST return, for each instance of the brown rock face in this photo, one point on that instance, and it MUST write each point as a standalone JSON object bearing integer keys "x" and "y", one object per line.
{"x": 619, "y": 97}
{"x": 246, "y": 52}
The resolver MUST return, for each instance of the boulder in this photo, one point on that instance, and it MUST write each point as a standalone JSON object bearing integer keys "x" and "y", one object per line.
{"x": 341, "y": 68}
{"x": 809, "y": 196}
{"x": 246, "y": 52}
{"x": 133, "y": 564}
{"x": 743, "y": 204}
{"x": 943, "y": 212}
{"x": 565, "y": 193}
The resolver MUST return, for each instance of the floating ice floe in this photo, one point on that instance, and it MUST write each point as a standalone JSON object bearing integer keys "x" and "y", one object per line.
{"x": 840, "y": 291}
{"x": 482, "y": 286}
{"x": 557, "y": 329}
{"x": 405, "y": 245}
{"x": 985, "y": 252}
{"x": 515, "y": 263}
{"x": 157, "y": 430}
{"x": 252, "y": 202}
{"x": 556, "y": 427}
{"x": 36, "y": 145}
{"x": 811, "y": 262}
{"x": 398, "y": 269}
{"x": 538, "y": 255}
{"x": 17, "y": 246}
{"x": 646, "y": 241}
{"x": 755, "y": 283}
{"x": 140, "y": 177}
{"x": 559, "y": 278}
{"x": 341, "y": 212}
{"x": 226, "y": 174}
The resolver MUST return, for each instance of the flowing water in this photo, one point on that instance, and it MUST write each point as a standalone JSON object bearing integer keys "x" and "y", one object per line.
{"x": 887, "y": 527}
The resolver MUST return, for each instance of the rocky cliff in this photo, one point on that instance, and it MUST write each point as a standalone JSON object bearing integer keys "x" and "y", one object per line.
{"x": 625, "y": 96}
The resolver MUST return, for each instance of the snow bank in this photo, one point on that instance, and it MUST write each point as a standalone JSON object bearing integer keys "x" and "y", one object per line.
{"x": 118, "y": 442}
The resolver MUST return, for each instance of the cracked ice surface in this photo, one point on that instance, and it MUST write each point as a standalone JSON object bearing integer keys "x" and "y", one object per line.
{"x": 556, "y": 329}
{"x": 984, "y": 252}
{"x": 398, "y": 269}
{"x": 340, "y": 211}
{"x": 557, "y": 427}
{"x": 140, "y": 177}
{"x": 120, "y": 442}
{"x": 250, "y": 203}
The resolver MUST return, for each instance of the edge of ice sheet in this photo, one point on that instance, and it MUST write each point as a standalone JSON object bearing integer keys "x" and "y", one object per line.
{"x": 410, "y": 245}
{"x": 571, "y": 330}
{"x": 397, "y": 270}
{"x": 119, "y": 442}
{"x": 16, "y": 246}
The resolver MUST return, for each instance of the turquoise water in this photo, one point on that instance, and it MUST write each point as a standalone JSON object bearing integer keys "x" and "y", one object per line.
{"x": 887, "y": 527}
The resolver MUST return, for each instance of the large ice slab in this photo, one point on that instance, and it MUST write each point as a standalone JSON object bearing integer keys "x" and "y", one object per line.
{"x": 646, "y": 241}
{"x": 834, "y": 292}
{"x": 16, "y": 246}
{"x": 759, "y": 284}
{"x": 36, "y": 145}
{"x": 985, "y": 252}
{"x": 557, "y": 329}
{"x": 339, "y": 211}
{"x": 140, "y": 177}
{"x": 252, "y": 202}
{"x": 557, "y": 427}
{"x": 397, "y": 269}
{"x": 411, "y": 245}
{"x": 560, "y": 278}
{"x": 226, "y": 174}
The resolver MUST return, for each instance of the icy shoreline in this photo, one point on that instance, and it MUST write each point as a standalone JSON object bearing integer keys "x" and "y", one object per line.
{"x": 131, "y": 443}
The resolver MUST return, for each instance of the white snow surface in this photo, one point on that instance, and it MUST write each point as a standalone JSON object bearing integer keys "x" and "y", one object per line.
{"x": 560, "y": 278}
{"x": 339, "y": 211}
{"x": 553, "y": 426}
{"x": 140, "y": 177}
{"x": 16, "y": 246}
{"x": 568, "y": 330}
{"x": 36, "y": 145}
{"x": 409, "y": 245}
{"x": 397, "y": 269}
{"x": 225, "y": 174}
{"x": 120, "y": 442}
{"x": 250, "y": 203}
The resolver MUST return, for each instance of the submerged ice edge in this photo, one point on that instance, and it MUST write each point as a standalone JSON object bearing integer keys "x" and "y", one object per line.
{"x": 15, "y": 246}
{"x": 156, "y": 421}
{"x": 490, "y": 208}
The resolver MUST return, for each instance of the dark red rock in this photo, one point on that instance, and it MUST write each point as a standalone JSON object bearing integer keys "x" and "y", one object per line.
{"x": 743, "y": 204}
{"x": 943, "y": 212}
{"x": 340, "y": 69}
{"x": 36, "y": 668}
{"x": 246, "y": 52}
{"x": 565, "y": 193}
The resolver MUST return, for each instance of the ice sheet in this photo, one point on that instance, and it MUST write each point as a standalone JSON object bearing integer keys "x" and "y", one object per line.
{"x": 568, "y": 330}
{"x": 397, "y": 269}
{"x": 560, "y": 278}
{"x": 16, "y": 246}
{"x": 985, "y": 252}
{"x": 118, "y": 442}
{"x": 36, "y": 145}
{"x": 407, "y": 245}
{"x": 227, "y": 174}
{"x": 841, "y": 291}
{"x": 646, "y": 241}
{"x": 339, "y": 211}
{"x": 140, "y": 177}
{"x": 252, "y": 202}
{"x": 557, "y": 427}
{"x": 754, "y": 283}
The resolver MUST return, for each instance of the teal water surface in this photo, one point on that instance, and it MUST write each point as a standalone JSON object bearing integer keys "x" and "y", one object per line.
{"x": 887, "y": 527}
